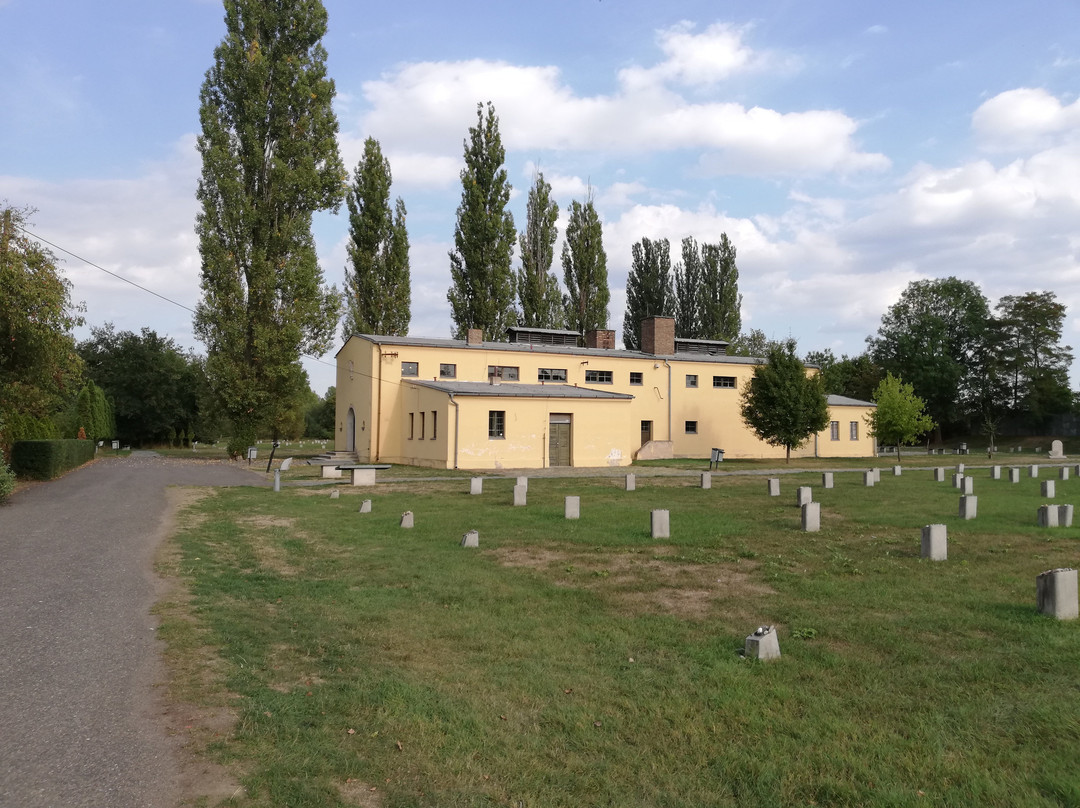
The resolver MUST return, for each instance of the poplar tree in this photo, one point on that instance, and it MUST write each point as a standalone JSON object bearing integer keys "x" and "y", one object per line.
{"x": 585, "y": 270}
{"x": 649, "y": 291}
{"x": 482, "y": 293}
{"x": 377, "y": 287}
{"x": 720, "y": 301}
{"x": 689, "y": 291}
{"x": 269, "y": 161}
{"x": 538, "y": 288}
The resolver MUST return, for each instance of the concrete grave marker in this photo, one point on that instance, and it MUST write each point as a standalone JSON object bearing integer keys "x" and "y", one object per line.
{"x": 826, "y": 479}
{"x": 1014, "y": 475}
{"x": 631, "y": 482}
{"x": 471, "y": 539}
{"x": 774, "y": 486}
{"x": 476, "y": 485}
{"x": 897, "y": 471}
{"x": 1056, "y": 594}
{"x": 958, "y": 481}
{"x": 1057, "y": 451}
{"x": 811, "y": 517}
{"x": 286, "y": 464}
{"x": 330, "y": 472}
{"x": 877, "y": 474}
{"x": 959, "y": 468}
{"x": 520, "y": 495}
{"x": 969, "y": 507}
{"x": 706, "y": 480}
{"x": 1048, "y": 515}
{"x": 277, "y": 479}
{"x": 803, "y": 495}
{"x": 572, "y": 508}
{"x": 1047, "y": 487}
{"x": 967, "y": 485}
{"x": 1033, "y": 471}
{"x": 1063, "y": 473}
{"x": 335, "y": 494}
{"x": 523, "y": 482}
{"x": 868, "y": 479}
{"x": 939, "y": 475}
{"x": 1065, "y": 515}
{"x": 365, "y": 506}
{"x": 407, "y": 519}
{"x": 935, "y": 545}
{"x": 763, "y": 644}
{"x": 660, "y": 523}
{"x": 995, "y": 472}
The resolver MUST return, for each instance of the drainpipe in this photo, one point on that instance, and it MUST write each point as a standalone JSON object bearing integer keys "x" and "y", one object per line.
{"x": 457, "y": 425}
{"x": 378, "y": 407}
{"x": 669, "y": 437}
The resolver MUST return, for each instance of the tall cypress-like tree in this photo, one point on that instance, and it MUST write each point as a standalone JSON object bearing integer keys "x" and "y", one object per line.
{"x": 538, "y": 288}
{"x": 720, "y": 302}
{"x": 689, "y": 291}
{"x": 377, "y": 287}
{"x": 270, "y": 160}
{"x": 585, "y": 269}
{"x": 648, "y": 288}
{"x": 482, "y": 294}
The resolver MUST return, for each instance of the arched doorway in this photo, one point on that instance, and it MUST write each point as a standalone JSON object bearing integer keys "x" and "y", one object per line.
{"x": 350, "y": 431}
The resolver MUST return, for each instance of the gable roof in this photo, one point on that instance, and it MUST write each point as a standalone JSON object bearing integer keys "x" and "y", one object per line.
{"x": 844, "y": 401}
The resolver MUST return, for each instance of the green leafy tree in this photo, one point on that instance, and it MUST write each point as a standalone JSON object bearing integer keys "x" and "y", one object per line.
{"x": 782, "y": 404}
{"x": 689, "y": 291}
{"x": 899, "y": 417}
{"x": 482, "y": 294}
{"x": 40, "y": 370}
{"x": 753, "y": 343}
{"x": 321, "y": 416}
{"x": 377, "y": 287}
{"x": 649, "y": 292}
{"x": 720, "y": 303}
{"x": 584, "y": 265}
{"x": 934, "y": 336}
{"x": 855, "y": 377}
{"x": 269, "y": 162}
{"x": 538, "y": 288}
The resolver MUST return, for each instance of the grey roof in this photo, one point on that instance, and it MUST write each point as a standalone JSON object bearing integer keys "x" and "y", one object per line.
{"x": 515, "y": 390}
{"x": 844, "y": 401}
{"x": 519, "y": 347}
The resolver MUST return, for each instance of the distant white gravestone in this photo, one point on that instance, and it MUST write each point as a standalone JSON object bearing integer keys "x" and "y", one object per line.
{"x": 1057, "y": 451}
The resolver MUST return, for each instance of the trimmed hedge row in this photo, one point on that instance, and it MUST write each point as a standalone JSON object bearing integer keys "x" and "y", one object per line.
{"x": 45, "y": 459}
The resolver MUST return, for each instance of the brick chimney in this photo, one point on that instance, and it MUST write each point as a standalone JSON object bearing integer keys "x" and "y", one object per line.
{"x": 600, "y": 338}
{"x": 474, "y": 336}
{"x": 658, "y": 336}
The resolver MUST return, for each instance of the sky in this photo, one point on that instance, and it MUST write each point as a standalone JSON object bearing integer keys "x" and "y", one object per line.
{"x": 846, "y": 148}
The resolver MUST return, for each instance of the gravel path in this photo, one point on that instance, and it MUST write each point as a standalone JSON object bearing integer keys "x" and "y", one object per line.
{"x": 79, "y": 661}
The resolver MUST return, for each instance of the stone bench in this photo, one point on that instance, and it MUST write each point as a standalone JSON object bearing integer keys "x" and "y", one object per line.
{"x": 360, "y": 475}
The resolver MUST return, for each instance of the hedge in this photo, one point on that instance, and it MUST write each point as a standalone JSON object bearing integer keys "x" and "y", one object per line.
{"x": 45, "y": 459}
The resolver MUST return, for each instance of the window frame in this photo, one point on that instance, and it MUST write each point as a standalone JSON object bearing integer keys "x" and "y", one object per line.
{"x": 412, "y": 424}
{"x": 692, "y": 381}
{"x": 690, "y": 427}
{"x": 608, "y": 377}
{"x": 496, "y": 424}
{"x": 552, "y": 374}
{"x": 720, "y": 382}
{"x": 443, "y": 374}
{"x": 640, "y": 378}
{"x": 414, "y": 366}
{"x": 434, "y": 424}
{"x": 502, "y": 372}
{"x": 853, "y": 430}
{"x": 834, "y": 430}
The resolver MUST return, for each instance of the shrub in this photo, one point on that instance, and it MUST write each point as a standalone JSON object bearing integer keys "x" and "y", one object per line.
{"x": 7, "y": 481}
{"x": 45, "y": 459}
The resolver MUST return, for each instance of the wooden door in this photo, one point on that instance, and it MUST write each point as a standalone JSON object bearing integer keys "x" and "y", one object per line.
{"x": 559, "y": 440}
{"x": 646, "y": 432}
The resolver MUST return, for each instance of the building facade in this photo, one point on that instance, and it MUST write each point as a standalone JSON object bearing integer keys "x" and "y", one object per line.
{"x": 539, "y": 400}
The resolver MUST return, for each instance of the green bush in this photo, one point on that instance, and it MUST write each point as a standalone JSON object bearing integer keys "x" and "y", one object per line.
{"x": 7, "y": 481}
{"x": 46, "y": 459}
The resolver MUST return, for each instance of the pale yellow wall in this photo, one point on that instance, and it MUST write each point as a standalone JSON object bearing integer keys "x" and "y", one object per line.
{"x": 845, "y": 447}
{"x": 355, "y": 388}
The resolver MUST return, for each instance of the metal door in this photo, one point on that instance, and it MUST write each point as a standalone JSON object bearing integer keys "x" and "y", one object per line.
{"x": 646, "y": 432}
{"x": 559, "y": 440}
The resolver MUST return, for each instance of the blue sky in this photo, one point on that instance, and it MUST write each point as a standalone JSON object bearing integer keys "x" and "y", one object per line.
{"x": 846, "y": 148}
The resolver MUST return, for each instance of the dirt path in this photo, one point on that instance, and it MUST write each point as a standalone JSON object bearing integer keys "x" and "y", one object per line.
{"x": 80, "y": 712}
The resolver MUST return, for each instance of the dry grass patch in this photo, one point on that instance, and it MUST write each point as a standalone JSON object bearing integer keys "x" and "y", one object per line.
{"x": 359, "y": 793}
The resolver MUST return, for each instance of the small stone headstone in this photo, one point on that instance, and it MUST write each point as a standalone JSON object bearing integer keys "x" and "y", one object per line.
{"x": 995, "y": 472}
{"x": 774, "y": 486}
{"x": 1038, "y": 450}
{"x": 811, "y": 517}
{"x": 523, "y": 482}
{"x": 277, "y": 479}
{"x": 762, "y": 644}
{"x": 968, "y": 485}
{"x": 877, "y": 474}
{"x": 939, "y": 475}
{"x": 935, "y": 544}
{"x": 826, "y": 479}
{"x": 365, "y": 506}
{"x": 335, "y": 494}
{"x": 969, "y": 507}
{"x": 407, "y": 519}
{"x": 706, "y": 480}
{"x": 959, "y": 468}
{"x": 631, "y": 482}
{"x": 1057, "y": 451}
{"x": 660, "y": 522}
{"x": 520, "y": 495}
{"x": 1014, "y": 475}
{"x": 286, "y": 464}
{"x": 1048, "y": 515}
{"x": 1056, "y": 594}
{"x": 1065, "y": 515}
{"x": 868, "y": 479}
{"x": 958, "y": 481}
{"x": 471, "y": 539}
{"x": 476, "y": 485}
{"x": 1033, "y": 471}
{"x": 572, "y": 508}
{"x": 803, "y": 495}
{"x": 1047, "y": 487}
{"x": 1063, "y": 473}
{"x": 897, "y": 470}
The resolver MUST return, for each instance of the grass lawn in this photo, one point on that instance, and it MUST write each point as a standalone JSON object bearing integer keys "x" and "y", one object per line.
{"x": 582, "y": 663}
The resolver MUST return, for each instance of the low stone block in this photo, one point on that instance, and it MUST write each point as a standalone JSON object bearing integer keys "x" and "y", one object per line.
{"x": 1047, "y": 488}
{"x": 763, "y": 644}
{"x": 365, "y": 506}
{"x": 803, "y": 495}
{"x": 1056, "y": 594}
{"x": 811, "y": 517}
{"x": 572, "y": 508}
{"x": 476, "y": 485}
{"x": 939, "y": 475}
{"x": 969, "y": 507}
{"x": 958, "y": 481}
{"x": 363, "y": 476}
{"x": 995, "y": 472}
{"x": 661, "y": 524}
{"x": 1014, "y": 475}
{"x": 1063, "y": 473}
{"x": 935, "y": 544}
{"x": 1065, "y": 515}
{"x": 471, "y": 539}
{"x": 826, "y": 479}
{"x": 1033, "y": 471}
{"x": 520, "y": 495}
{"x": 868, "y": 479}
{"x": 631, "y": 482}
{"x": 277, "y": 479}
{"x": 959, "y": 468}
{"x": 523, "y": 482}
{"x": 1048, "y": 515}
{"x": 897, "y": 471}
{"x": 407, "y": 519}
{"x": 774, "y": 486}
{"x": 330, "y": 473}
{"x": 877, "y": 474}
{"x": 967, "y": 485}
{"x": 706, "y": 480}
{"x": 335, "y": 494}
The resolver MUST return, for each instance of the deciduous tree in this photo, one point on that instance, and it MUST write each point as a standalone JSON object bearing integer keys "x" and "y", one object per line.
{"x": 269, "y": 162}
{"x": 689, "y": 291}
{"x": 538, "y": 288}
{"x": 899, "y": 417}
{"x": 377, "y": 283}
{"x": 482, "y": 294}
{"x": 1033, "y": 362}
{"x": 649, "y": 292}
{"x": 585, "y": 269}
{"x": 721, "y": 303}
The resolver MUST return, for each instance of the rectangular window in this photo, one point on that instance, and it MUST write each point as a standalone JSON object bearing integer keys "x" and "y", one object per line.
{"x": 598, "y": 377}
{"x": 411, "y": 422}
{"x": 410, "y": 369}
{"x": 834, "y": 430}
{"x": 434, "y": 421}
{"x": 507, "y": 374}
{"x": 691, "y": 380}
{"x": 422, "y": 426}
{"x": 723, "y": 381}
{"x": 854, "y": 430}
{"x": 690, "y": 428}
{"x": 637, "y": 378}
{"x": 496, "y": 423}
{"x": 447, "y": 371}
{"x": 551, "y": 375}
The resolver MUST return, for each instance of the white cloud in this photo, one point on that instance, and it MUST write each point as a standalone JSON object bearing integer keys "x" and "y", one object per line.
{"x": 1024, "y": 118}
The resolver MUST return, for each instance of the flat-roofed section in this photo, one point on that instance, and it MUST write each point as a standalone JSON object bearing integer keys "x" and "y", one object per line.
{"x": 519, "y": 390}
{"x": 542, "y": 336}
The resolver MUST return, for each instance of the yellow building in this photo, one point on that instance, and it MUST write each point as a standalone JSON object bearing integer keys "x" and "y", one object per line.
{"x": 539, "y": 400}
